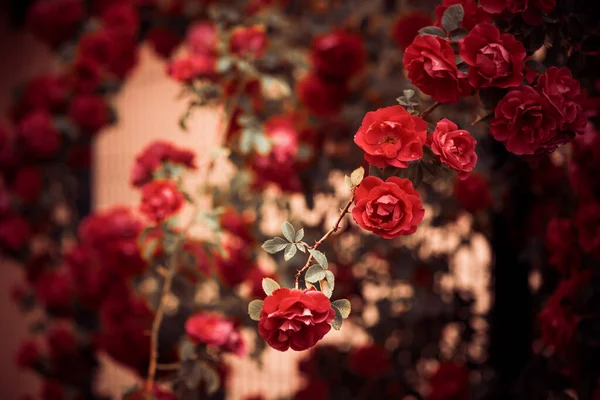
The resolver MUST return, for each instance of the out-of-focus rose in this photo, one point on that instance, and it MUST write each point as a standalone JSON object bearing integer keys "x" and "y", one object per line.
{"x": 239, "y": 224}
{"x": 449, "y": 381}
{"x": 295, "y": 318}
{"x": 314, "y": 389}
{"x": 15, "y": 232}
{"x": 115, "y": 52}
{"x": 495, "y": 59}
{"x": 164, "y": 41}
{"x": 530, "y": 10}
{"x": 52, "y": 390}
{"x": 61, "y": 342}
{"x": 407, "y": 26}
{"x": 27, "y": 184}
{"x": 86, "y": 75}
{"x": 54, "y": 290}
{"x": 473, "y": 14}
{"x": 321, "y": 97}
{"x": 8, "y": 147}
{"x": 55, "y": 21}
{"x": 248, "y": 41}
{"x": 28, "y": 354}
{"x": 153, "y": 155}
{"x": 430, "y": 62}
{"x": 338, "y": 55}
{"x": 193, "y": 67}
{"x": 45, "y": 92}
{"x": 587, "y": 221}
{"x": 455, "y": 147}
{"x": 202, "y": 38}
{"x": 473, "y": 192}
{"x": 161, "y": 199}
{"x": 158, "y": 393}
{"x": 371, "y": 361}
{"x": 90, "y": 113}
{"x": 255, "y": 276}
{"x": 389, "y": 209}
{"x": 122, "y": 17}
{"x": 214, "y": 329}
{"x": 233, "y": 267}
{"x": 561, "y": 241}
{"x": 391, "y": 136}
{"x": 39, "y": 135}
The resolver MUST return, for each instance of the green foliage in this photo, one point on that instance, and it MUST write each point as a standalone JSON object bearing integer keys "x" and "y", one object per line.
{"x": 288, "y": 231}
{"x": 254, "y": 308}
{"x": 269, "y": 286}
{"x": 319, "y": 257}
{"x": 314, "y": 274}
{"x": 328, "y": 284}
{"x": 453, "y": 17}
{"x": 274, "y": 245}
{"x": 344, "y": 306}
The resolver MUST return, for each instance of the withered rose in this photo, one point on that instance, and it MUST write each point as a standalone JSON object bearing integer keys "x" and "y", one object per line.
{"x": 161, "y": 199}
{"x": 295, "y": 318}
{"x": 249, "y": 41}
{"x": 430, "y": 62}
{"x": 214, "y": 329}
{"x": 473, "y": 14}
{"x": 455, "y": 147}
{"x": 495, "y": 59}
{"x": 391, "y": 136}
{"x": 389, "y": 209}
{"x": 338, "y": 55}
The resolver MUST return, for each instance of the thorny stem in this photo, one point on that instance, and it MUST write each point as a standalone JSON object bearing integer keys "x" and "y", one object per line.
{"x": 430, "y": 109}
{"x": 480, "y": 118}
{"x": 330, "y": 232}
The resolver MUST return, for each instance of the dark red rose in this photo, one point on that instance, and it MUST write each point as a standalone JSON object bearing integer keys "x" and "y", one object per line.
{"x": 86, "y": 75}
{"x": 54, "y": 290}
{"x": 79, "y": 157}
{"x": 163, "y": 40}
{"x": 321, "y": 97}
{"x": 495, "y": 59}
{"x": 525, "y": 123}
{"x": 248, "y": 41}
{"x": 202, "y": 38}
{"x": 587, "y": 221}
{"x": 87, "y": 276}
{"x": 562, "y": 91}
{"x": 15, "y": 232}
{"x": 431, "y": 66}
{"x": 90, "y": 113}
{"x": 61, "y": 342}
{"x": 585, "y": 163}
{"x": 407, "y": 26}
{"x": 8, "y": 147}
{"x": 371, "y": 361}
{"x": 153, "y": 155}
{"x": 391, "y": 136}
{"x": 449, "y": 381}
{"x": 47, "y": 92}
{"x": 161, "y": 199}
{"x": 473, "y": 13}
{"x": 530, "y": 10}
{"x": 561, "y": 239}
{"x": 256, "y": 6}
{"x": 117, "y": 53}
{"x": 255, "y": 277}
{"x": 473, "y": 192}
{"x": 27, "y": 184}
{"x": 193, "y": 67}
{"x": 55, "y": 21}
{"x": 199, "y": 261}
{"x": 122, "y": 18}
{"x": 314, "y": 389}
{"x": 28, "y": 354}
{"x": 239, "y": 224}
{"x": 338, "y": 55}
{"x": 233, "y": 267}
{"x": 455, "y": 147}
{"x": 39, "y": 135}
{"x": 52, "y": 390}
{"x": 295, "y": 318}
{"x": 214, "y": 329}
{"x": 389, "y": 209}
{"x": 158, "y": 393}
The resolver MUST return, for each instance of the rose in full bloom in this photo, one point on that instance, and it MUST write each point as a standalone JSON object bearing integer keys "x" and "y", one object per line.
{"x": 28, "y": 354}
{"x": 455, "y": 147}
{"x": 430, "y": 62}
{"x": 214, "y": 329}
{"x": 163, "y": 40}
{"x": 321, "y": 97}
{"x": 248, "y": 41}
{"x": 407, "y": 26}
{"x": 371, "y": 361}
{"x": 15, "y": 231}
{"x": 161, "y": 199}
{"x": 563, "y": 94}
{"x": 202, "y": 38}
{"x": 561, "y": 239}
{"x": 530, "y": 10}
{"x": 391, "y": 136}
{"x": 55, "y": 21}
{"x": 90, "y": 113}
{"x": 473, "y": 192}
{"x": 193, "y": 67}
{"x": 525, "y": 123}
{"x": 338, "y": 55}
{"x": 295, "y": 318}
{"x": 155, "y": 154}
{"x": 473, "y": 14}
{"x": 495, "y": 59}
{"x": 27, "y": 184}
{"x": 587, "y": 221}
{"x": 39, "y": 135}
{"x": 449, "y": 381}
{"x": 389, "y": 209}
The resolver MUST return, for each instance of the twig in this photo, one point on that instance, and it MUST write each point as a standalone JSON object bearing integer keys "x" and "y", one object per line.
{"x": 429, "y": 110}
{"x": 481, "y": 118}
{"x": 335, "y": 228}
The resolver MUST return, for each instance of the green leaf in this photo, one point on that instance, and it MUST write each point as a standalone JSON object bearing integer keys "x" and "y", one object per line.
{"x": 262, "y": 144}
{"x": 328, "y": 284}
{"x": 348, "y": 181}
{"x": 357, "y": 176}
{"x": 301, "y": 247}
{"x": 314, "y": 274}
{"x": 274, "y": 245}
{"x": 143, "y": 235}
{"x": 453, "y": 17}
{"x": 254, "y": 308}
{"x": 536, "y": 66}
{"x": 344, "y": 306}
{"x": 290, "y": 251}
{"x": 319, "y": 258}
{"x": 224, "y": 64}
{"x": 187, "y": 350}
{"x": 299, "y": 235}
{"x": 193, "y": 378}
{"x": 211, "y": 378}
{"x": 458, "y": 34}
{"x": 288, "y": 231}
{"x": 246, "y": 141}
{"x": 150, "y": 248}
{"x": 269, "y": 286}
{"x": 432, "y": 30}
{"x": 337, "y": 320}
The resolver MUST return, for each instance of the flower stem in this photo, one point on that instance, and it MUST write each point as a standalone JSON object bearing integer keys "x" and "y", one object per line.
{"x": 481, "y": 118}
{"x": 430, "y": 109}
{"x": 335, "y": 228}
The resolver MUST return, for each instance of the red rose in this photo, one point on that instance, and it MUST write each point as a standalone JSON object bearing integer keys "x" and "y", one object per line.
{"x": 15, "y": 232}
{"x": 202, "y": 38}
{"x": 495, "y": 59}
{"x": 407, "y": 26}
{"x": 61, "y": 342}
{"x": 8, "y": 147}
{"x": 561, "y": 245}
{"x": 55, "y": 21}
{"x": 157, "y": 392}
{"x": 48, "y": 92}
{"x": 562, "y": 91}
{"x": 87, "y": 75}
{"x": 52, "y": 390}
{"x": 455, "y": 147}
{"x": 233, "y": 267}
{"x": 90, "y": 113}
{"x": 161, "y": 199}
{"x": 153, "y": 156}
{"x": 27, "y": 184}
{"x": 255, "y": 277}
{"x": 391, "y": 136}
{"x": 525, "y": 123}
{"x": 248, "y": 41}
{"x": 371, "y": 361}
{"x": 338, "y": 55}
{"x": 164, "y": 41}
{"x": 239, "y": 224}
{"x": 321, "y": 97}
{"x": 530, "y": 10}
{"x": 430, "y": 62}
{"x": 473, "y": 193}
{"x": 295, "y": 318}
{"x": 39, "y": 135}
{"x": 122, "y": 18}
{"x": 54, "y": 290}
{"x": 585, "y": 163}
{"x": 112, "y": 50}
{"x": 193, "y": 67}
{"x": 215, "y": 330}
{"x": 587, "y": 221}
{"x": 314, "y": 389}
{"x": 450, "y": 381}
{"x": 389, "y": 209}
{"x": 28, "y": 354}
{"x": 473, "y": 14}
